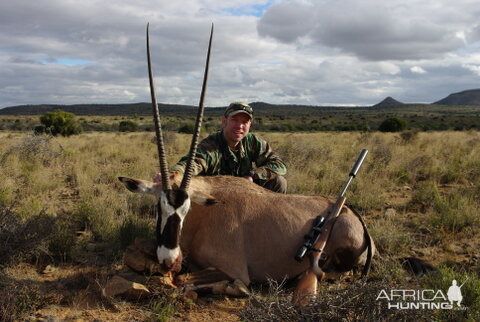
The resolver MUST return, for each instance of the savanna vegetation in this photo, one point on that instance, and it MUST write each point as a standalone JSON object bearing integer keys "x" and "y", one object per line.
{"x": 65, "y": 220}
{"x": 269, "y": 118}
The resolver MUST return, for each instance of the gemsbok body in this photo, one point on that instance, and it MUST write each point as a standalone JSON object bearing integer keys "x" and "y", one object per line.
{"x": 246, "y": 232}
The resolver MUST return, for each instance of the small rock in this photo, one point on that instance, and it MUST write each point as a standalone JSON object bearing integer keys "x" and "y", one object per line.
{"x": 49, "y": 269}
{"x": 140, "y": 262}
{"x": 118, "y": 286}
{"x": 133, "y": 277}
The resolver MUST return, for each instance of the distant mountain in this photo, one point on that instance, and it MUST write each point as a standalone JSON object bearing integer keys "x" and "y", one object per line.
{"x": 260, "y": 109}
{"x": 469, "y": 97}
{"x": 388, "y": 102}
{"x": 100, "y": 109}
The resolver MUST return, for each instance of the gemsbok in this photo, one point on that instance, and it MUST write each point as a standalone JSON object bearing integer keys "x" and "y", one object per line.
{"x": 248, "y": 233}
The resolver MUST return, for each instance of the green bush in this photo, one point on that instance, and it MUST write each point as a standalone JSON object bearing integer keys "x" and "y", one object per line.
{"x": 162, "y": 310}
{"x": 442, "y": 279}
{"x": 127, "y": 126}
{"x": 455, "y": 213}
{"x": 187, "y": 128}
{"x": 60, "y": 122}
{"x": 389, "y": 236}
{"x": 393, "y": 124}
{"x": 131, "y": 228}
{"x": 425, "y": 196}
{"x": 451, "y": 212}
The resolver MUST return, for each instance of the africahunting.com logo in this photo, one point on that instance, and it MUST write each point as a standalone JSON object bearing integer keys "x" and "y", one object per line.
{"x": 427, "y": 299}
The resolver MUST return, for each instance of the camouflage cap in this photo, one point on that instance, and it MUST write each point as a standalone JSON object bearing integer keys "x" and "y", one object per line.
{"x": 237, "y": 108}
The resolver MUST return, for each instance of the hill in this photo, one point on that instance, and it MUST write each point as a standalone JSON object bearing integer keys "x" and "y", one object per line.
{"x": 468, "y": 97}
{"x": 99, "y": 109}
{"x": 260, "y": 109}
{"x": 388, "y": 102}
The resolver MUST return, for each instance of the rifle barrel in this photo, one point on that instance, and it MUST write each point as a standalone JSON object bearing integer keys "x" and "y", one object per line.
{"x": 359, "y": 162}
{"x": 353, "y": 172}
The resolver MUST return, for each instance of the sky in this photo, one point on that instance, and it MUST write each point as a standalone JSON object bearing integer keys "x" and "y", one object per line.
{"x": 313, "y": 52}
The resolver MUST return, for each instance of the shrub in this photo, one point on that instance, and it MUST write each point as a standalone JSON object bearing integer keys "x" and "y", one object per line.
{"x": 162, "y": 310}
{"x": 454, "y": 213}
{"x": 39, "y": 129}
{"x": 127, "y": 126}
{"x": 390, "y": 238}
{"x": 187, "y": 128}
{"x": 61, "y": 122}
{"x": 23, "y": 239}
{"x": 393, "y": 124}
{"x": 442, "y": 280}
{"x": 33, "y": 149}
{"x": 18, "y": 300}
{"x": 425, "y": 197}
{"x": 357, "y": 302}
{"x": 409, "y": 136}
{"x": 131, "y": 228}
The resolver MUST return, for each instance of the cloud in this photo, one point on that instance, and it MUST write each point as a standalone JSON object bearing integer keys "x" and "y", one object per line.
{"x": 278, "y": 51}
{"x": 287, "y": 21}
{"x": 370, "y": 29}
{"x": 417, "y": 70}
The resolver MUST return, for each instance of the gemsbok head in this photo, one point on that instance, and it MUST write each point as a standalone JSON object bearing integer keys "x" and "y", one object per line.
{"x": 173, "y": 202}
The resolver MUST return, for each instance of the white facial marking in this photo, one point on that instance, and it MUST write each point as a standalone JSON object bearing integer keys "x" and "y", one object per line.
{"x": 143, "y": 188}
{"x": 183, "y": 209}
{"x": 167, "y": 255}
{"x": 166, "y": 210}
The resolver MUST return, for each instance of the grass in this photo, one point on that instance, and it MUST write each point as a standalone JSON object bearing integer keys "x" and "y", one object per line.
{"x": 337, "y": 302}
{"x": 18, "y": 300}
{"x": 53, "y": 188}
{"x": 162, "y": 310}
{"x": 442, "y": 279}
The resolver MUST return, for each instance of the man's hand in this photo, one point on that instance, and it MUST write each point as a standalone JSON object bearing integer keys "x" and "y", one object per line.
{"x": 250, "y": 175}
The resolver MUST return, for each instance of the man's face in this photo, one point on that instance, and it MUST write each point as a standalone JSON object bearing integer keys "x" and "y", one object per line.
{"x": 235, "y": 128}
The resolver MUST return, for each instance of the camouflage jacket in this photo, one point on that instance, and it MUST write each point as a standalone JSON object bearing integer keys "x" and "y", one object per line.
{"x": 253, "y": 158}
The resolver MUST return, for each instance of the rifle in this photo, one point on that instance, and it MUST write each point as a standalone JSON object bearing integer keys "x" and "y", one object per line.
{"x": 312, "y": 239}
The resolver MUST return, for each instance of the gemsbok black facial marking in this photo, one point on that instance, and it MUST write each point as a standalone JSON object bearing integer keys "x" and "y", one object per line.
{"x": 170, "y": 237}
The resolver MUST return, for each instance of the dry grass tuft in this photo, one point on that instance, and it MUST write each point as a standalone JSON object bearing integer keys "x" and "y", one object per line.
{"x": 21, "y": 299}
{"x": 354, "y": 302}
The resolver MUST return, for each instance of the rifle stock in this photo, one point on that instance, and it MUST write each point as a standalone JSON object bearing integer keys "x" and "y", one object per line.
{"x": 321, "y": 242}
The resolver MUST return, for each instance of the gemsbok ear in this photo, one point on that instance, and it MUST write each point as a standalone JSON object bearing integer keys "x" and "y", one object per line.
{"x": 201, "y": 198}
{"x": 140, "y": 186}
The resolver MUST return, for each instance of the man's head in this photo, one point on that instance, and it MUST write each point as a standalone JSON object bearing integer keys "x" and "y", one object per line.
{"x": 236, "y": 122}
{"x": 238, "y": 108}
